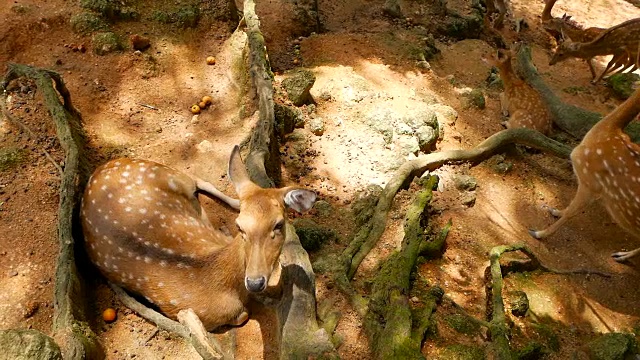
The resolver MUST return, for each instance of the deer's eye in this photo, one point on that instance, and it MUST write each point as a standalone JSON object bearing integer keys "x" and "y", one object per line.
{"x": 278, "y": 226}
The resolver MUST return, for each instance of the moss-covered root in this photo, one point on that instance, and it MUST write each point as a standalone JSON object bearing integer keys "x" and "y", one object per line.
{"x": 499, "y": 348}
{"x": 370, "y": 233}
{"x": 389, "y": 322}
{"x": 572, "y": 119}
{"x": 264, "y": 153}
{"x": 74, "y": 337}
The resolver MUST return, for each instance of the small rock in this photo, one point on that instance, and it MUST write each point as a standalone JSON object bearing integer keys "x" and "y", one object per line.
{"x": 324, "y": 208}
{"x": 475, "y": 98}
{"x": 465, "y": 182}
{"x": 316, "y": 126}
{"x": 13, "y": 272}
{"x": 298, "y": 85}
{"x": 205, "y": 146}
{"x": 519, "y": 303}
{"x": 468, "y": 199}
{"x": 427, "y": 138}
{"x": 612, "y": 346}
{"x": 30, "y": 309}
{"x": 28, "y": 344}
{"x": 139, "y": 42}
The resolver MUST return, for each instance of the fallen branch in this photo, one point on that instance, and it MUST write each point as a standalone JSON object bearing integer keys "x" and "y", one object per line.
{"x": 572, "y": 119}
{"x": 498, "y": 330}
{"x": 390, "y": 325}
{"x": 370, "y": 233}
{"x": 190, "y": 328}
{"x": 70, "y": 328}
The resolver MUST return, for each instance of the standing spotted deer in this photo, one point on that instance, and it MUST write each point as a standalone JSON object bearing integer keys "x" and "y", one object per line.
{"x": 607, "y": 165}
{"x": 147, "y": 232}
{"x": 622, "y": 41}
{"x": 564, "y": 28}
{"x": 524, "y": 104}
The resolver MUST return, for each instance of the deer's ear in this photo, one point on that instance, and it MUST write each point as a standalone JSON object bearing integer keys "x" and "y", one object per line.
{"x": 237, "y": 172}
{"x": 300, "y": 200}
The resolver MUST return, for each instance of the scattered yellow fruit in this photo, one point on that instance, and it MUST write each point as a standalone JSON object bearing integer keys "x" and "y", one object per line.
{"x": 295, "y": 61}
{"x": 202, "y": 104}
{"x": 207, "y": 100}
{"x": 211, "y": 60}
{"x": 109, "y": 315}
{"x": 195, "y": 109}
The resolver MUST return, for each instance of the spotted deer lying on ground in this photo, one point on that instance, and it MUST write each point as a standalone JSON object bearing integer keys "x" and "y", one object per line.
{"x": 622, "y": 41}
{"x": 607, "y": 165}
{"x": 524, "y": 104}
{"x": 563, "y": 28}
{"x": 147, "y": 232}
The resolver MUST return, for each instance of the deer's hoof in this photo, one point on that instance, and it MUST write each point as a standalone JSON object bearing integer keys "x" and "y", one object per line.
{"x": 534, "y": 234}
{"x": 621, "y": 256}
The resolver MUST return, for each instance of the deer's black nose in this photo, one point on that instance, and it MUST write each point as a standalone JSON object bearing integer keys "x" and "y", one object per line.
{"x": 255, "y": 285}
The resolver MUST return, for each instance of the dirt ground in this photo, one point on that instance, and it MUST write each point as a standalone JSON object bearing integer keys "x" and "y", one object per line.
{"x": 363, "y": 61}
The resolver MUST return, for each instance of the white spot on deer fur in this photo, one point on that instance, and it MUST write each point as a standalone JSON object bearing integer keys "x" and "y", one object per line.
{"x": 128, "y": 187}
{"x": 127, "y": 167}
{"x": 143, "y": 211}
{"x": 125, "y": 174}
{"x": 109, "y": 195}
{"x": 160, "y": 284}
{"x": 599, "y": 151}
{"x": 152, "y": 175}
{"x": 130, "y": 254}
{"x": 120, "y": 249}
{"x": 117, "y": 163}
{"x": 173, "y": 302}
{"x": 142, "y": 169}
{"x": 147, "y": 260}
{"x": 121, "y": 200}
{"x": 163, "y": 263}
{"x": 147, "y": 243}
{"x": 587, "y": 151}
{"x": 172, "y": 185}
{"x": 127, "y": 209}
{"x": 138, "y": 257}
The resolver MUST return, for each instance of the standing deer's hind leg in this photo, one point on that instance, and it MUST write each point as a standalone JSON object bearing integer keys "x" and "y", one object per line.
{"x": 624, "y": 255}
{"x": 582, "y": 198}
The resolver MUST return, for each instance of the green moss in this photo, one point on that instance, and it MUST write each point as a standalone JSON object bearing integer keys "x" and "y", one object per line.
{"x": 21, "y": 9}
{"x": 613, "y": 346}
{"x": 188, "y": 16}
{"x": 311, "y": 235}
{"x": 532, "y": 351}
{"x": 462, "y": 324}
{"x": 10, "y": 157}
{"x": 86, "y": 23}
{"x": 574, "y": 90}
{"x": 184, "y": 17}
{"x": 547, "y": 336}
{"x": 106, "y": 42}
{"x": 461, "y": 352}
{"x": 623, "y": 85}
{"x": 111, "y": 9}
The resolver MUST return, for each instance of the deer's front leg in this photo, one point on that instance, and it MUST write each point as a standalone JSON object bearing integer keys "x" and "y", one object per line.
{"x": 582, "y": 198}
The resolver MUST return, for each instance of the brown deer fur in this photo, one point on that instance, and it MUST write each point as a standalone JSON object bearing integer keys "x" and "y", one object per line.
{"x": 146, "y": 231}
{"x": 607, "y": 166}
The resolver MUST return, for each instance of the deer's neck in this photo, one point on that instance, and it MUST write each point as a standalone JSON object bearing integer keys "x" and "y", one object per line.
{"x": 620, "y": 117}
{"x": 509, "y": 78}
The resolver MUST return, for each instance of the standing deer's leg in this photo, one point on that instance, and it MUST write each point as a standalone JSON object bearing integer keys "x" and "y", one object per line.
{"x": 211, "y": 190}
{"x": 615, "y": 63}
{"x": 593, "y": 70}
{"x": 624, "y": 255}
{"x": 582, "y": 198}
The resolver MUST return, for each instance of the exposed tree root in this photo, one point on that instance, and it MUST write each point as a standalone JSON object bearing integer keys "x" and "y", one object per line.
{"x": 188, "y": 328}
{"x": 300, "y": 335}
{"x": 25, "y": 128}
{"x": 370, "y": 233}
{"x": 263, "y": 161}
{"x": 70, "y": 329}
{"x": 390, "y": 324}
{"x": 572, "y": 119}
